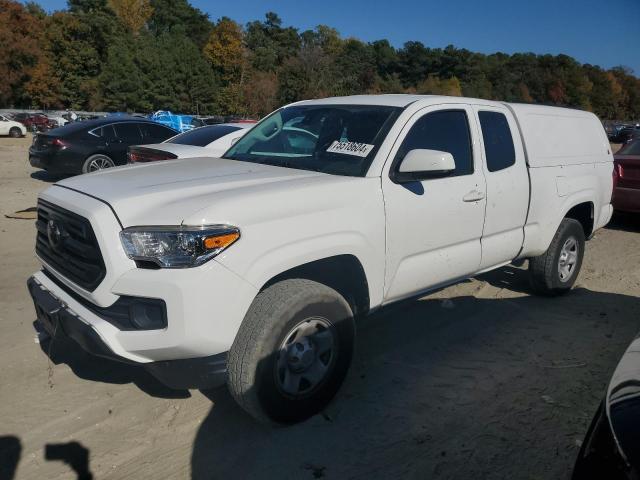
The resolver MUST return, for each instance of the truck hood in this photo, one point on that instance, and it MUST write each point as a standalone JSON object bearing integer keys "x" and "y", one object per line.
{"x": 198, "y": 191}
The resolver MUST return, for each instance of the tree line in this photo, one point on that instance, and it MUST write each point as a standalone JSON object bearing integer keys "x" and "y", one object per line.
{"x": 145, "y": 55}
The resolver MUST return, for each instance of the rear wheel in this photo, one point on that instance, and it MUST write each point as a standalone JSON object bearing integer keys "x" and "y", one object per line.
{"x": 15, "y": 132}
{"x": 556, "y": 270}
{"x": 97, "y": 162}
{"x": 292, "y": 352}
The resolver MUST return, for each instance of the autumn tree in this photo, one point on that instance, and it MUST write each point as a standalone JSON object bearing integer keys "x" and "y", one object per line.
{"x": 260, "y": 93}
{"x": 166, "y": 54}
{"x": 134, "y": 14}
{"x": 43, "y": 88}
{"x": 436, "y": 86}
{"x": 20, "y": 43}
{"x": 224, "y": 49}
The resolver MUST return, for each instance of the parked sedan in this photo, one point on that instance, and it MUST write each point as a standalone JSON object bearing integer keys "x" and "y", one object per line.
{"x": 12, "y": 128}
{"x": 626, "y": 134}
{"x": 209, "y": 141}
{"x": 82, "y": 147}
{"x": 34, "y": 121}
{"x": 626, "y": 191}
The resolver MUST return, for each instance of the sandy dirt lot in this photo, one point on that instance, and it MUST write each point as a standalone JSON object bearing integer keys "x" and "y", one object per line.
{"x": 480, "y": 380}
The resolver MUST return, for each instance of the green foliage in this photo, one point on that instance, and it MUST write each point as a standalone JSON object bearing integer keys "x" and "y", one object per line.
{"x": 269, "y": 43}
{"x": 144, "y": 55}
{"x": 169, "y": 15}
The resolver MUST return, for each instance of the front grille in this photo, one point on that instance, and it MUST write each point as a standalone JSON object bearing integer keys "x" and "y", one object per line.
{"x": 67, "y": 243}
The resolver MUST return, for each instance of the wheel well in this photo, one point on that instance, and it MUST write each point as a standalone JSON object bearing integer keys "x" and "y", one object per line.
{"x": 343, "y": 273}
{"x": 583, "y": 213}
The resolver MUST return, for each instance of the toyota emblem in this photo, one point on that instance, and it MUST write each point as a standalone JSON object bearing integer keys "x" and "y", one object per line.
{"x": 54, "y": 234}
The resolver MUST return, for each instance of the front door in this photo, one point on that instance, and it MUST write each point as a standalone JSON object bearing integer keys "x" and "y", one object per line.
{"x": 434, "y": 226}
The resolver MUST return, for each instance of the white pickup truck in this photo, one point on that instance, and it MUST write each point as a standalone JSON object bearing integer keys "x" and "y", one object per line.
{"x": 250, "y": 269}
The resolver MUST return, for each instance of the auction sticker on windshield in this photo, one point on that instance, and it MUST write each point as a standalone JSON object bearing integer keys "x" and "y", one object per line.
{"x": 350, "y": 148}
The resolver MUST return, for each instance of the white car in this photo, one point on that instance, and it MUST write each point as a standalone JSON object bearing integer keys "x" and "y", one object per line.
{"x": 207, "y": 141}
{"x": 59, "y": 119}
{"x": 12, "y": 128}
{"x": 251, "y": 269}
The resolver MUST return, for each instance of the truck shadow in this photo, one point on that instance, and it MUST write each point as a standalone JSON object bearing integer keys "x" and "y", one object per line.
{"x": 626, "y": 222}
{"x": 457, "y": 389}
{"x": 97, "y": 369}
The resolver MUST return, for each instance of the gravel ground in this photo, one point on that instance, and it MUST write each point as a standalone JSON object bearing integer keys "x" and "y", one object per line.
{"x": 480, "y": 380}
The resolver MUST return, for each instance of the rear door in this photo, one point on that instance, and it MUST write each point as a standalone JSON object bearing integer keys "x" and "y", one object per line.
{"x": 126, "y": 134}
{"x": 155, "y": 133}
{"x": 507, "y": 185}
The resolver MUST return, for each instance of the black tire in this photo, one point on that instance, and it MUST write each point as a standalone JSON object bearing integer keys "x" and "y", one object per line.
{"x": 15, "y": 132}
{"x": 547, "y": 275}
{"x": 97, "y": 162}
{"x": 256, "y": 356}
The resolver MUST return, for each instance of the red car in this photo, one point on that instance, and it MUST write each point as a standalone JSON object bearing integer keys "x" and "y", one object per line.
{"x": 34, "y": 121}
{"x": 626, "y": 170}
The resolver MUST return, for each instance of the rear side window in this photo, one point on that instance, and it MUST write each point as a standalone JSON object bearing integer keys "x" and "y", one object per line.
{"x": 498, "y": 143}
{"x": 201, "y": 137}
{"x": 103, "y": 132}
{"x": 128, "y": 132}
{"x": 445, "y": 130}
{"x": 156, "y": 132}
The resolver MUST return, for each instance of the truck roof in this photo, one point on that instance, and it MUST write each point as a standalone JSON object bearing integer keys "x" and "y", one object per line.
{"x": 389, "y": 99}
{"x": 403, "y": 99}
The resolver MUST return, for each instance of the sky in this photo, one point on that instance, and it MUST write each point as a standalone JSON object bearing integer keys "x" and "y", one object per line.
{"x": 600, "y": 32}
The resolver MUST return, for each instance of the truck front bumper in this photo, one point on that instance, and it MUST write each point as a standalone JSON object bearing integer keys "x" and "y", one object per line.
{"x": 56, "y": 318}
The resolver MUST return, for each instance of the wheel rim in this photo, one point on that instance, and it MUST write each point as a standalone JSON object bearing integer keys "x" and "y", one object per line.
{"x": 99, "y": 163}
{"x": 568, "y": 259}
{"x": 306, "y": 357}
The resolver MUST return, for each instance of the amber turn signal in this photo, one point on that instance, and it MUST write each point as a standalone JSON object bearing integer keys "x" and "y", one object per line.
{"x": 220, "y": 241}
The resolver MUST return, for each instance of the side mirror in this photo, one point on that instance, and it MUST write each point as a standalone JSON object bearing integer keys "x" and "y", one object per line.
{"x": 420, "y": 164}
{"x": 234, "y": 140}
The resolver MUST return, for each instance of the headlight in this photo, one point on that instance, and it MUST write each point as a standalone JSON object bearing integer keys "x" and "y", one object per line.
{"x": 177, "y": 247}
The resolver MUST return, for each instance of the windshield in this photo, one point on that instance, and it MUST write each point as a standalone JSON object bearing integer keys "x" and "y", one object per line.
{"x": 335, "y": 139}
{"x": 203, "y": 136}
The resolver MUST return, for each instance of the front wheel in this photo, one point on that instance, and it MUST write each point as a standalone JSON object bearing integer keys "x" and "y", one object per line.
{"x": 15, "y": 132}
{"x": 97, "y": 162}
{"x": 292, "y": 351}
{"x": 556, "y": 270}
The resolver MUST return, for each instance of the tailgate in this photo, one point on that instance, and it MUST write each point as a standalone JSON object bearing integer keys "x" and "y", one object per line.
{"x": 628, "y": 169}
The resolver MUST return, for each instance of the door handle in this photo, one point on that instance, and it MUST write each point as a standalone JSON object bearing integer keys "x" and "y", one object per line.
{"x": 473, "y": 196}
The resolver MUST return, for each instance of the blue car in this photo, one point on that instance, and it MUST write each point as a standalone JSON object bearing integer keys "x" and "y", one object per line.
{"x": 181, "y": 123}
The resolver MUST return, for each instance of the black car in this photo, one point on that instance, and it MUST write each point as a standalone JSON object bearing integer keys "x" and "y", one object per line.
{"x": 611, "y": 448}
{"x": 83, "y": 147}
{"x": 625, "y": 133}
